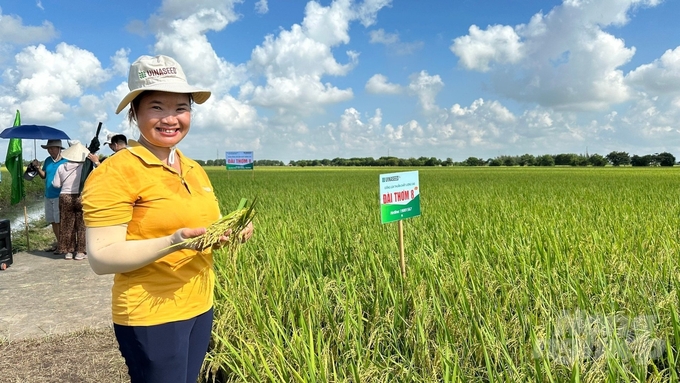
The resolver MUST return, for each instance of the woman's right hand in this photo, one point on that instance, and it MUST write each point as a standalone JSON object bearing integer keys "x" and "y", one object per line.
{"x": 187, "y": 233}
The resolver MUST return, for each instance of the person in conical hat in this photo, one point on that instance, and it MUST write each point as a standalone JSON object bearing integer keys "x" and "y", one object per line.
{"x": 67, "y": 180}
{"x": 162, "y": 296}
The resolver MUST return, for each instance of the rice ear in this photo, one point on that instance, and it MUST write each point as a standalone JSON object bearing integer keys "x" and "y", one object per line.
{"x": 235, "y": 221}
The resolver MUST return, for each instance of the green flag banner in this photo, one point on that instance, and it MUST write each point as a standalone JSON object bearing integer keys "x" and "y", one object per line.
{"x": 15, "y": 165}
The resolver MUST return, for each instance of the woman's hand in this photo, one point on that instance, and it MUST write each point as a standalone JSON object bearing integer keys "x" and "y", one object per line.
{"x": 244, "y": 236}
{"x": 247, "y": 232}
{"x": 187, "y": 233}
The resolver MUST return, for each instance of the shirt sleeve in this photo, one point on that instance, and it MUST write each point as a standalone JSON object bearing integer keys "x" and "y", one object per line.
{"x": 107, "y": 198}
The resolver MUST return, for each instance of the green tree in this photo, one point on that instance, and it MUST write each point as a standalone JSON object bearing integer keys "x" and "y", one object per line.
{"x": 526, "y": 160}
{"x": 545, "y": 160}
{"x": 618, "y": 158}
{"x": 641, "y": 160}
{"x": 474, "y": 161}
{"x": 581, "y": 160}
{"x": 566, "y": 159}
{"x": 665, "y": 159}
{"x": 597, "y": 160}
{"x": 508, "y": 160}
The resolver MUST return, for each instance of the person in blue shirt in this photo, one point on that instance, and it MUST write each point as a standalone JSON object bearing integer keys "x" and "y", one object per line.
{"x": 47, "y": 172}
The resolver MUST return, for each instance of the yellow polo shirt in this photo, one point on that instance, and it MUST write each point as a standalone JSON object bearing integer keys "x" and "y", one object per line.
{"x": 154, "y": 200}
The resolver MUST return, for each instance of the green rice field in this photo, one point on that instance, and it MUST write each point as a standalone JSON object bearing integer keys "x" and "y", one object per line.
{"x": 513, "y": 275}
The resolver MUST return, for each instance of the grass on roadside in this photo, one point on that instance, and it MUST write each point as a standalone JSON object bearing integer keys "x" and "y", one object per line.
{"x": 40, "y": 236}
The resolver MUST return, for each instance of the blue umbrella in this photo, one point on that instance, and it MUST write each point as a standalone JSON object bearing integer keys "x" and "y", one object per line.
{"x": 36, "y": 132}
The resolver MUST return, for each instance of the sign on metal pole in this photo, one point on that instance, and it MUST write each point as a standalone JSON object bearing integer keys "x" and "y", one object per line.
{"x": 240, "y": 161}
{"x": 399, "y": 199}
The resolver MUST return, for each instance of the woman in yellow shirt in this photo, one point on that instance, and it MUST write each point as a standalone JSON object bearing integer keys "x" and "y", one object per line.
{"x": 161, "y": 299}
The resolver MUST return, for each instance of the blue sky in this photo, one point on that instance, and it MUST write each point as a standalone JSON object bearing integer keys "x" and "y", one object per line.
{"x": 310, "y": 80}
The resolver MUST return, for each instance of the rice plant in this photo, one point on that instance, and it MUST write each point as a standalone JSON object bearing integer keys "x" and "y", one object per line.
{"x": 514, "y": 274}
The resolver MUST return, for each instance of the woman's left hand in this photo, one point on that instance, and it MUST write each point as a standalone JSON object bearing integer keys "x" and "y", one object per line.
{"x": 247, "y": 232}
{"x": 244, "y": 236}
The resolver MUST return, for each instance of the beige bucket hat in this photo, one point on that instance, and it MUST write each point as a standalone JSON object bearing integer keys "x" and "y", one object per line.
{"x": 161, "y": 73}
{"x": 50, "y": 143}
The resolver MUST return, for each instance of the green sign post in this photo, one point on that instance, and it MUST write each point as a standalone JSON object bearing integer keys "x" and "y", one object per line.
{"x": 399, "y": 199}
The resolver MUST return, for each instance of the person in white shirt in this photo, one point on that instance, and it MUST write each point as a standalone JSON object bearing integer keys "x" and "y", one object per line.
{"x": 72, "y": 231}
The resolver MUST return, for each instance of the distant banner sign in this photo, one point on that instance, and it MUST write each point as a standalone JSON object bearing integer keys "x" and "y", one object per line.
{"x": 399, "y": 196}
{"x": 239, "y": 160}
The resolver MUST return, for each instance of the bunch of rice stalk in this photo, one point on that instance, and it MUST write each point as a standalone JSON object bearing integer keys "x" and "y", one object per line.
{"x": 237, "y": 220}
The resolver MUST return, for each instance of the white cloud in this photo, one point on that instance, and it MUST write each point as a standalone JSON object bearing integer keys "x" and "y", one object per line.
{"x": 378, "y": 84}
{"x": 497, "y": 43}
{"x": 392, "y": 41}
{"x": 121, "y": 62}
{"x": 226, "y": 114}
{"x": 298, "y": 94}
{"x": 295, "y": 53}
{"x": 379, "y": 36}
{"x": 179, "y": 25}
{"x": 426, "y": 88}
{"x": 12, "y": 31}
{"x": 368, "y": 10}
{"x": 181, "y": 9}
{"x": 564, "y": 60}
{"x": 358, "y": 136}
{"x": 137, "y": 27}
{"x": 328, "y": 26}
{"x": 44, "y": 79}
{"x": 261, "y": 7}
{"x": 294, "y": 62}
{"x": 659, "y": 77}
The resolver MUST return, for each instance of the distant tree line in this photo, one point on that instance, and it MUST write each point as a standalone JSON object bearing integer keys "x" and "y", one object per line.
{"x": 564, "y": 159}
{"x": 217, "y": 162}
{"x": 223, "y": 162}
{"x": 370, "y": 161}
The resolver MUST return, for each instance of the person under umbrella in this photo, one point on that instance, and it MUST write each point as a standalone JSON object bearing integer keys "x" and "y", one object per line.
{"x": 67, "y": 179}
{"x": 47, "y": 172}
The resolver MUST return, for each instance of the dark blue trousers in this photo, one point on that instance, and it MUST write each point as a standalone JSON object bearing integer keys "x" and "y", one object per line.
{"x": 166, "y": 353}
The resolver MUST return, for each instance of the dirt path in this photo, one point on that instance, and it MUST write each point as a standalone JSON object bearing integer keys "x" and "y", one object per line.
{"x": 44, "y": 294}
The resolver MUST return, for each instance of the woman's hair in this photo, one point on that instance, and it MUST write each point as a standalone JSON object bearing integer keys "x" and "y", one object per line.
{"x": 134, "y": 105}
